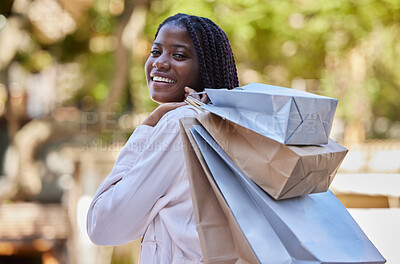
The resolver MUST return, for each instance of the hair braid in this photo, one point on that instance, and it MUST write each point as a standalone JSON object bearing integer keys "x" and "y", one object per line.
{"x": 203, "y": 69}
{"x": 226, "y": 58}
{"x": 221, "y": 56}
{"x": 231, "y": 66}
{"x": 210, "y": 52}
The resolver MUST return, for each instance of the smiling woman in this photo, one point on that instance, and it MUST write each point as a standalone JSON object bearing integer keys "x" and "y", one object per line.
{"x": 172, "y": 65}
{"x": 147, "y": 193}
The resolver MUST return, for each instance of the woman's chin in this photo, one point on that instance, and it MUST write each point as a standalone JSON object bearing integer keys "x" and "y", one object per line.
{"x": 161, "y": 100}
{"x": 164, "y": 98}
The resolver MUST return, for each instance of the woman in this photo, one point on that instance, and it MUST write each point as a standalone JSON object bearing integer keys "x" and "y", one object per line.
{"x": 147, "y": 193}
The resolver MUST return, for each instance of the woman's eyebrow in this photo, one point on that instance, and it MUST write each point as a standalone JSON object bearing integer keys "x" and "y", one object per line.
{"x": 180, "y": 46}
{"x": 173, "y": 45}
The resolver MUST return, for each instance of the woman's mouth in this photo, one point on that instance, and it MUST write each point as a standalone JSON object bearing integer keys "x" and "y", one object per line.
{"x": 162, "y": 79}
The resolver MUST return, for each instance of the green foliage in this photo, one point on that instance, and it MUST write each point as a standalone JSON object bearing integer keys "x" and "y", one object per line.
{"x": 350, "y": 48}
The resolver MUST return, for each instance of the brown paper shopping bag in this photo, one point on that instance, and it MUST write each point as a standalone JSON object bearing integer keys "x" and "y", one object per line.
{"x": 282, "y": 171}
{"x": 313, "y": 228}
{"x": 221, "y": 238}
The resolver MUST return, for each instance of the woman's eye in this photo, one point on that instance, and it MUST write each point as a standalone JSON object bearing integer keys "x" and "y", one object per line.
{"x": 180, "y": 56}
{"x": 155, "y": 52}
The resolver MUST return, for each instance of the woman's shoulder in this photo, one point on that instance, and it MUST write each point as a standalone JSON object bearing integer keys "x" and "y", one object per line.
{"x": 183, "y": 111}
{"x": 178, "y": 113}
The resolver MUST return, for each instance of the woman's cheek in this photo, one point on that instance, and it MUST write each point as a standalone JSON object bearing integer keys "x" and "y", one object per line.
{"x": 148, "y": 67}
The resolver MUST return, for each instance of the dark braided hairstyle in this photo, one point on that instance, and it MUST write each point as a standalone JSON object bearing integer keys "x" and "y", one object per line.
{"x": 217, "y": 64}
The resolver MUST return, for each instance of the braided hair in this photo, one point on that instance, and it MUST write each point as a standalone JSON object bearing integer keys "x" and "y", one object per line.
{"x": 214, "y": 52}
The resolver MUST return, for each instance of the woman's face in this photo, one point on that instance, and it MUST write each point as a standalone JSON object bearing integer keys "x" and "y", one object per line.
{"x": 172, "y": 65}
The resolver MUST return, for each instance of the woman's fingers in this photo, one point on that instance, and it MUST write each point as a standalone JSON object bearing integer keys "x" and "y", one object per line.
{"x": 204, "y": 98}
{"x": 189, "y": 90}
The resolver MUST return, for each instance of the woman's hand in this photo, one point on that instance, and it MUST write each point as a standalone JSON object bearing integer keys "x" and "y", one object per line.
{"x": 160, "y": 111}
{"x": 203, "y": 98}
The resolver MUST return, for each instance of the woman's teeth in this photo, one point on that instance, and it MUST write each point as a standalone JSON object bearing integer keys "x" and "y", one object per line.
{"x": 162, "y": 79}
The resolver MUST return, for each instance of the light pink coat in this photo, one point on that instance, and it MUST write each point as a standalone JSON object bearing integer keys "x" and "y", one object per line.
{"x": 147, "y": 194}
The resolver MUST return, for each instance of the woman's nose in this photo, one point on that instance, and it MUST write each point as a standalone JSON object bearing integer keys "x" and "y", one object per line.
{"x": 161, "y": 63}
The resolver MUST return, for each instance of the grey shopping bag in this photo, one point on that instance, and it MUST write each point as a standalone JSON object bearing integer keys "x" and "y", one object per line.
{"x": 222, "y": 241}
{"x": 286, "y": 115}
{"x": 314, "y": 228}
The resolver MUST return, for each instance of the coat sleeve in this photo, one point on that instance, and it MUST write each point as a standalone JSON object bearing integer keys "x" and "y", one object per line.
{"x": 126, "y": 202}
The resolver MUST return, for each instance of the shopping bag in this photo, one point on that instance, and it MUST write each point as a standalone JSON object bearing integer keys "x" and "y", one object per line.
{"x": 314, "y": 228}
{"x": 286, "y": 115}
{"x": 282, "y": 171}
{"x": 221, "y": 239}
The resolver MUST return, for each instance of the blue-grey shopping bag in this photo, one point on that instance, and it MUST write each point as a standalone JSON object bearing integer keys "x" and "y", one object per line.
{"x": 314, "y": 228}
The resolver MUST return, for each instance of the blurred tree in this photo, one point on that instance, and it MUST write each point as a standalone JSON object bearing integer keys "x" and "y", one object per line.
{"x": 343, "y": 49}
{"x": 121, "y": 69}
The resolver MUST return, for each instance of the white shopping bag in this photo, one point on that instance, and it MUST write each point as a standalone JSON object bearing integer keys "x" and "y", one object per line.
{"x": 314, "y": 228}
{"x": 286, "y": 115}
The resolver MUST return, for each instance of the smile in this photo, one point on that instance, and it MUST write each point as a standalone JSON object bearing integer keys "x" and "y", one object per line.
{"x": 162, "y": 79}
